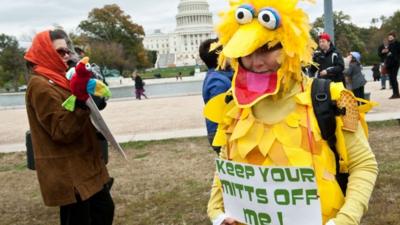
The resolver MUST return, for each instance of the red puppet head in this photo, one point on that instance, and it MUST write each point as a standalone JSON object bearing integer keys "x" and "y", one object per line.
{"x": 83, "y": 69}
{"x": 80, "y": 79}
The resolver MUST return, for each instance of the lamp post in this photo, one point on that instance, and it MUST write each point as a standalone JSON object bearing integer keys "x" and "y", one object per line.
{"x": 328, "y": 19}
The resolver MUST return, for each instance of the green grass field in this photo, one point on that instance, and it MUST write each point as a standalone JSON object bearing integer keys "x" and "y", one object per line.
{"x": 171, "y": 72}
{"x": 168, "y": 182}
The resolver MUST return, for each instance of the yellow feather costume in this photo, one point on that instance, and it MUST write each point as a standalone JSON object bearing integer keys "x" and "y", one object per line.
{"x": 278, "y": 128}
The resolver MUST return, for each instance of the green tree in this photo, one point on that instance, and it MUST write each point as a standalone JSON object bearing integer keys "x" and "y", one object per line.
{"x": 152, "y": 57}
{"x": 110, "y": 24}
{"x": 12, "y": 61}
{"x": 392, "y": 23}
{"x": 108, "y": 54}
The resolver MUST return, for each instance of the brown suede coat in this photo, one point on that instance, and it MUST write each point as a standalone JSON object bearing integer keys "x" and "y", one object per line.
{"x": 67, "y": 152}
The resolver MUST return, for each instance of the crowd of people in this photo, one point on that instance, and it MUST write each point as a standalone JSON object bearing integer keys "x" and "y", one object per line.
{"x": 329, "y": 64}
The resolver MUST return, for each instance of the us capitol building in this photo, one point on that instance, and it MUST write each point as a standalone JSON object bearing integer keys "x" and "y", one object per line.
{"x": 194, "y": 24}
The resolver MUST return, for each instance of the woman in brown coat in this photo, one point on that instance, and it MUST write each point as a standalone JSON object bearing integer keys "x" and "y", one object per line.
{"x": 68, "y": 158}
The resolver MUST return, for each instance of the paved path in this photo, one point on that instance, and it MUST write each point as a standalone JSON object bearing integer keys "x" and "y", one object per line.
{"x": 162, "y": 118}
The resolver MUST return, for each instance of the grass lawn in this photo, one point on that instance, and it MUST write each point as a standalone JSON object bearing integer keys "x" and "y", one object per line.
{"x": 168, "y": 182}
{"x": 171, "y": 72}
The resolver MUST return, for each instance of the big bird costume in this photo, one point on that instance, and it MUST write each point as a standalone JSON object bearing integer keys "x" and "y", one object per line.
{"x": 270, "y": 121}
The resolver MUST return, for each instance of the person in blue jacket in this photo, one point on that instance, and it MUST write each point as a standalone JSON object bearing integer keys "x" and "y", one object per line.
{"x": 215, "y": 82}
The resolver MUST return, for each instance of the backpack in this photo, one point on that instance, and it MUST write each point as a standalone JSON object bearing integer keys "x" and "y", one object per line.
{"x": 325, "y": 111}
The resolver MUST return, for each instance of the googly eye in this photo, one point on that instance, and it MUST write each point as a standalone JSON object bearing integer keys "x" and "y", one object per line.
{"x": 269, "y": 18}
{"x": 244, "y": 14}
{"x": 88, "y": 67}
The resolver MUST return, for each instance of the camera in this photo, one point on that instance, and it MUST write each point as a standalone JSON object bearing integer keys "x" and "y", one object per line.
{"x": 318, "y": 56}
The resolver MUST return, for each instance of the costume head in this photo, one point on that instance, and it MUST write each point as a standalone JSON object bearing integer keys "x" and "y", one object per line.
{"x": 251, "y": 24}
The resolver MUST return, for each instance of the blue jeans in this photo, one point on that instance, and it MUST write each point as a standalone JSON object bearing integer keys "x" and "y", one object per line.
{"x": 384, "y": 78}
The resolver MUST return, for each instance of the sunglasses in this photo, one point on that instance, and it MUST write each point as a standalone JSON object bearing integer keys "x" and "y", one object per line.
{"x": 63, "y": 51}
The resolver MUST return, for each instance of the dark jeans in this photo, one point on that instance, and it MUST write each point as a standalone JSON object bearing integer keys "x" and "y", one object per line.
{"x": 393, "y": 79}
{"x": 97, "y": 210}
{"x": 359, "y": 92}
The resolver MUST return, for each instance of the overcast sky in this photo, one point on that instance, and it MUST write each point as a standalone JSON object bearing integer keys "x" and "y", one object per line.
{"x": 24, "y": 17}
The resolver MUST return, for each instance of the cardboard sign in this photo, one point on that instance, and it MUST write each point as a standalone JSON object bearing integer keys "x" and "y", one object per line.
{"x": 258, "y": 195}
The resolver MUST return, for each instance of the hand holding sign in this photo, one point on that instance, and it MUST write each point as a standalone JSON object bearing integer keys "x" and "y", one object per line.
{"x": 229, "y": 221}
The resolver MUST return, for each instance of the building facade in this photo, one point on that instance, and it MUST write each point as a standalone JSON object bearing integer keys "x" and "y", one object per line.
{"x": 194, "y": 24}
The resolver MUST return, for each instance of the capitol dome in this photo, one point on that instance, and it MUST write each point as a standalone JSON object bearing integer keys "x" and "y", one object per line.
{"x": 193, "y": 14}
{"x": 194, "y": 24}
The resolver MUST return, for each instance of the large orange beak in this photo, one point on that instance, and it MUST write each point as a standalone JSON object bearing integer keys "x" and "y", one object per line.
{"x": 247, "y": 39}
{"x": 85, "y": 60}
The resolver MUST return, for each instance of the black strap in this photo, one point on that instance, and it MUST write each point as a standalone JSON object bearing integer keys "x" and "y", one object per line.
{"x": 325, "y": 111}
